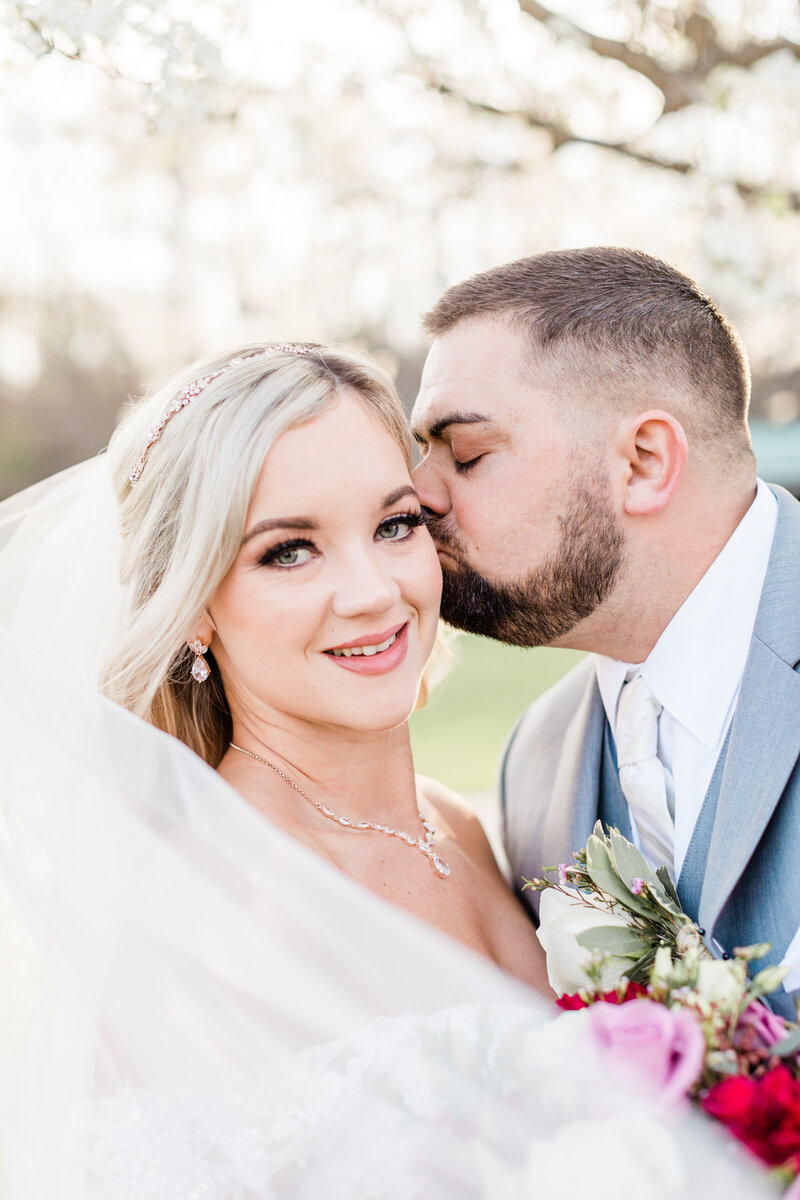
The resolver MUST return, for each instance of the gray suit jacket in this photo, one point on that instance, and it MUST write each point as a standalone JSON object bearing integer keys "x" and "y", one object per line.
{"x": 749, "y": 886}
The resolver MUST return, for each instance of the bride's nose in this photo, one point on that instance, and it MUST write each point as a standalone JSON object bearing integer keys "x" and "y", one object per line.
{"x": 365, "y": 584}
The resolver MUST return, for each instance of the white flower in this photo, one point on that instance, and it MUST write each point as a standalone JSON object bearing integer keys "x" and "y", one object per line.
{"x": 721, "y": 983}
{"x": 561, "y": 918}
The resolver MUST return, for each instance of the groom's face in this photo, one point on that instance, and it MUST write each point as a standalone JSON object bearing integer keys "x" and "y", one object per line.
{"x": 527, "y": 535}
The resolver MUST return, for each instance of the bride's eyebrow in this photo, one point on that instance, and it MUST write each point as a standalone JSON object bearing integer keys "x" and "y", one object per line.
{"x": 304, "y": 524}
{"x": 301, "y": 523}
{"x": 400, "y": 494}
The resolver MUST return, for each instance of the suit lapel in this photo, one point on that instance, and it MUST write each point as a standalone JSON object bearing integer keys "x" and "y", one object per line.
{"x": 572, "y": 811}
{"x": 764, "y": 748}
{"x": 765, "y": 735}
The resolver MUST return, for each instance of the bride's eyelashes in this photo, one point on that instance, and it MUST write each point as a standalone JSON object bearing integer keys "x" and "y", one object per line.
{"x": 289, "y": 554}
{"x": 298, "y": 551}
{"x": 405, "y": 523}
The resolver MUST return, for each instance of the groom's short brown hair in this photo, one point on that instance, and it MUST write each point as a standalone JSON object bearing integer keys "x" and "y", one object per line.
{"x": 619, "y": 319}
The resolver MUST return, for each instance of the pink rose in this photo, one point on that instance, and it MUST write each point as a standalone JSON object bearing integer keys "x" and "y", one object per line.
{"x": 759, "y": 1027}
{"x": 667, "y": 1045}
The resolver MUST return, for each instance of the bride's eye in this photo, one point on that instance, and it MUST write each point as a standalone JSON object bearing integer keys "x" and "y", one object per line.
{"x": 397, "y": 529}
{"x": 288, "y": 554}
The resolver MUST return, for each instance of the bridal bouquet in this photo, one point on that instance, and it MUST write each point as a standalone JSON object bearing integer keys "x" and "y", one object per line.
{"x": 618, "y": 943}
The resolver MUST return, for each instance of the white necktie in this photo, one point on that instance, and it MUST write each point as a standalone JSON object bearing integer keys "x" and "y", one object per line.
{"x": 642, "y": 775}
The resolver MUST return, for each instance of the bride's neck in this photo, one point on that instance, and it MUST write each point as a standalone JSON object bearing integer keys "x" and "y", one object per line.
{"x": 369, "y": 775}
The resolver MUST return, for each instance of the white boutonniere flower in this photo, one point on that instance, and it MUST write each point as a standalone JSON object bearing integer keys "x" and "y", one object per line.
{"x": 563, "y": 917}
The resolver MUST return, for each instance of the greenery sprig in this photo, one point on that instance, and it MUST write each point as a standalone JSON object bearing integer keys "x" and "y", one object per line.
{"x": 610, "y": 875}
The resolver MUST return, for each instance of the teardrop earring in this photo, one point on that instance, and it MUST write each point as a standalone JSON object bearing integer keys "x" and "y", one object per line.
{"x": 200, "y": 668}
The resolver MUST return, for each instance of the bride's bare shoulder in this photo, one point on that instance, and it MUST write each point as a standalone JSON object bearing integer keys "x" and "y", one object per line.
{"x": 463, "y": 825}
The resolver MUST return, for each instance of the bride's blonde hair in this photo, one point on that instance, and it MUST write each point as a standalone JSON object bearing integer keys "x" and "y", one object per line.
{"x": 182, "y": 523}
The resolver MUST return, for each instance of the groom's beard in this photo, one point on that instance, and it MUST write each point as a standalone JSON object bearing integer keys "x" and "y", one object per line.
{"x": 548, "y": 603}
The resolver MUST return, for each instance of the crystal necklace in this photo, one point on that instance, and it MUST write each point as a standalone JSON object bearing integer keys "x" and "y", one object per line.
{"x": 423, "y": 844}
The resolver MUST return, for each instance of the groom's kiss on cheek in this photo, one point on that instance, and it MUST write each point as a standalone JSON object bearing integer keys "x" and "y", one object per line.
{"x": 585, "y": 451}
{"x": 519, "y": 497}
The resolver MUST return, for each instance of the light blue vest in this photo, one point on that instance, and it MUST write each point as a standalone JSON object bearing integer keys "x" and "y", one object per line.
{"x": 746, "y": 918}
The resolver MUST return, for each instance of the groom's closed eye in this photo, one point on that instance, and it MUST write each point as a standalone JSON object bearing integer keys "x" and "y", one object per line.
{"x": 462, "y": 466}
{"x": 470, "y": 446}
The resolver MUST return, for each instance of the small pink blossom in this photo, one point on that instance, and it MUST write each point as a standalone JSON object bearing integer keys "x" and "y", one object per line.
{"x": 666, "y": 1045}
{"x": 637, "y": 886}
{"x": 562, "y": 874}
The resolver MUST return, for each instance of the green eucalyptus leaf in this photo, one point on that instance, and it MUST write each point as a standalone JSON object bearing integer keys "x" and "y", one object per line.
{"x": 642, "y": 969}
{"x": 613, "y": 939}
{"x": 629, "y": 861}
{"x": 604, "y": 876}
{"x": 669, "y": 887}
{"x": 788, "y": 1047}
{"x": 631, "y": 864}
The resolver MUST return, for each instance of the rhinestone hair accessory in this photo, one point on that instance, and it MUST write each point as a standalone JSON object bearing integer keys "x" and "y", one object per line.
{"x": 199, "y": 385}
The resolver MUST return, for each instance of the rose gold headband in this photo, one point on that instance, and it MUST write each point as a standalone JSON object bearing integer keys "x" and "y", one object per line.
{"x": 199, "y": 385}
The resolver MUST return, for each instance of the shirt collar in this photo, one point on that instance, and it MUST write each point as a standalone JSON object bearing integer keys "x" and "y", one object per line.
{"x": 695, "y": 668}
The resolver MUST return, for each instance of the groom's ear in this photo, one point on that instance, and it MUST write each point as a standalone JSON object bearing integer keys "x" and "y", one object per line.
{"x": 651, "y": 450}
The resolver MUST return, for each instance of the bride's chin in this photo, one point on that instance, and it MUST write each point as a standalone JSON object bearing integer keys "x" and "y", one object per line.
{"x": 380, "y": 720}
{"x": 380, "y": 714}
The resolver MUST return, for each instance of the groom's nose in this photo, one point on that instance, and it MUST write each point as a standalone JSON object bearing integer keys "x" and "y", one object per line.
{"x": 433, "y": 493}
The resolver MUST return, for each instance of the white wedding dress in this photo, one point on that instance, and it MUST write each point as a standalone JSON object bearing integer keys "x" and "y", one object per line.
{"x": 195, "y": 1007}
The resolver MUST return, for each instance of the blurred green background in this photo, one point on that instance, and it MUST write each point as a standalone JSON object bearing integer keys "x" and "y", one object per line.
{"x": 459, "y": 734}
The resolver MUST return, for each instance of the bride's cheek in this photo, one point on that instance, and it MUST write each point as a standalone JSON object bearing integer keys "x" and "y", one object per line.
{"x": 427, "y": 599}
{"x": 434, "y": 577}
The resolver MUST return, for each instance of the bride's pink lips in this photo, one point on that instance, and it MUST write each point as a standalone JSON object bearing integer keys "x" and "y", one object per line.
{"x": 369, "y": 639}
{"x": 374, "y": 664}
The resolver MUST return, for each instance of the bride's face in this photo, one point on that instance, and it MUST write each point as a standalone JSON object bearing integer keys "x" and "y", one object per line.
{"x": 330, "y": 610}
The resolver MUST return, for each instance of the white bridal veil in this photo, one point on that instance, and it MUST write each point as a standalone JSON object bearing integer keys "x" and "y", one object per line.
{"x": 195, "y": 1007}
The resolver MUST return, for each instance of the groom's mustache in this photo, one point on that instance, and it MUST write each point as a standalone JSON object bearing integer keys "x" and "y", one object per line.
{"x": 444, "y": 535}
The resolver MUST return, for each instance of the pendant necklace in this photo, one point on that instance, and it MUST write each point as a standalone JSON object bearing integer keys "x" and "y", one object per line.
{"x": 423, "y": 844}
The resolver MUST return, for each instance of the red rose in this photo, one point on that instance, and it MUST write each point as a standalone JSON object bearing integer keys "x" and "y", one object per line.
{"x": 634, "y": 991}
{"x": 763, "y": 1113}
{"x": 570, "y": 1003}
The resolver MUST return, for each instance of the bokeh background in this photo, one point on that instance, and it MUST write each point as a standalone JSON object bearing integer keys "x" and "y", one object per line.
{"x": 180, "y": 175}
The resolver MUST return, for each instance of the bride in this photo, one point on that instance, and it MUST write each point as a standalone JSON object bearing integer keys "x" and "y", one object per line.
{"x": 273, "y": 538}
{"x": 246, "y": 953}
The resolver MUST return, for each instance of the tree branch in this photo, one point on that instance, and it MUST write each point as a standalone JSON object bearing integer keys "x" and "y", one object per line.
{"x": 49, "y": 47}
{"x": 680, "y": 88}
{"x": 561, "y": 135}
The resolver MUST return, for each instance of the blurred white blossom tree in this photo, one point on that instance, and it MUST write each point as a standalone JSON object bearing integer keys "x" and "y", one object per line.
{"x": 184, "y": 174}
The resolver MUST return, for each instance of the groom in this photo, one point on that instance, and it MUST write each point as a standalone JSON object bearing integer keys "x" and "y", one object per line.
{"x": 588, "y": 467}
